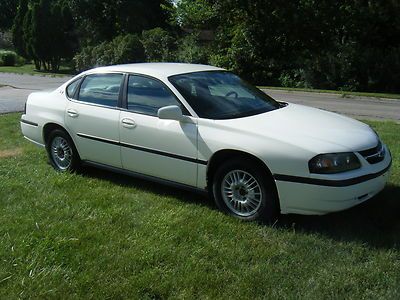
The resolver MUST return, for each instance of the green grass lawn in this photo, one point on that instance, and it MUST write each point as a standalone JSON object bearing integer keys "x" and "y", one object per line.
{"x": 30, "y": 70}
{"x": 345, "y": 94}
{"x": 101, "y": 235}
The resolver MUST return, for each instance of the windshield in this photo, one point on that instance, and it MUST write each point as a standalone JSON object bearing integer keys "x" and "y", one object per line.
{"x": 222, "y": 95}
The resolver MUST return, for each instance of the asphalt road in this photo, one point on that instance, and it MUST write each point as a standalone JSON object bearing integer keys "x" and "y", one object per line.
{"x": 16, "y": 88}
{"x": 353, "y": 106}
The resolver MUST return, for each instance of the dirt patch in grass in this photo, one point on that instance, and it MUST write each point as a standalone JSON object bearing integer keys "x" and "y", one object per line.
{"x": 10, "y": 153}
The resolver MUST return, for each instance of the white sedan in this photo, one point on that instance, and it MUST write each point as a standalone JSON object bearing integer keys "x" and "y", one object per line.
{"x": 203, "y": 128}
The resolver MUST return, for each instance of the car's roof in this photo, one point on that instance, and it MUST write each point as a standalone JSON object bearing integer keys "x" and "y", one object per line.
{"x": 156, "y": 69}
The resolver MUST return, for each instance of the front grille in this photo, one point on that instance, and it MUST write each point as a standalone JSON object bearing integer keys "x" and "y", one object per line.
{"x": 374, "y": 155}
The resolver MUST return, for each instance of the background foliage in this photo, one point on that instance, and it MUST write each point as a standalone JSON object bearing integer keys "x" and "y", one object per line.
{"x": 124, "y": 48}
{"x": 345, "y": 44}
{"x": 10, "y": 58}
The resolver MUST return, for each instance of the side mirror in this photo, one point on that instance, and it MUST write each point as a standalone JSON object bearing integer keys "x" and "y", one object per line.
{"x": 172, "y": 112}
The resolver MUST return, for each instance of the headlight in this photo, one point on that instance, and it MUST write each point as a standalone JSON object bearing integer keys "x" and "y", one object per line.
{"x": 333, "y": 163}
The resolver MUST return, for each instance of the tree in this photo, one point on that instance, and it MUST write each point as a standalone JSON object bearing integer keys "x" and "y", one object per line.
{"x": 8, "y": 11}
{"x": 102, "y": 20}
{"x": 63, "y": 31}
{"x": 158, "y": 44}
{"x": 27, "y": 39}
{"x": 139, "y": 15}
{"x": 42, "y": 34}
{"x": 17, "y": 28}
{"x": 121, "y": 50}
{"x": 69, "y": 37}
{"x": 313, "y": 43}
{"x": 190, "y": 50}
{"x": 197, "y": 14}
{"x": 44, "y": 31}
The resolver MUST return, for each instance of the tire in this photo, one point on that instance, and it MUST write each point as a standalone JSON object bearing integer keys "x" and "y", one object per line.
{"x": 62, "y": 152}
{"x": 242, "y": 189}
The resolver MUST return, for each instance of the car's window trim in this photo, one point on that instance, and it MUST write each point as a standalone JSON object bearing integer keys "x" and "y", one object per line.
{"x": 79, "y": 79}
{"x": 121, "y": 85}
{"x": 82, "y": 78}
{"x": 123, "y": 96}
{"x": 124, "y": 105}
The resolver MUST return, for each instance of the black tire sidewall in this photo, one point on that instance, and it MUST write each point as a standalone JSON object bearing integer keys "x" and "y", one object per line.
{"x": 269, "y": 209}
{"x": 75, "y": 162}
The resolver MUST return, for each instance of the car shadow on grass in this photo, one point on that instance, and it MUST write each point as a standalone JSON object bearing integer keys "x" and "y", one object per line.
{"x": 148, "y": 186}
{"x": 375, "y": 222}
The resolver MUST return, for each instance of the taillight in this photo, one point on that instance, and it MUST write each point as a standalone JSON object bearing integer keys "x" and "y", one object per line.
{"x": 25, "y": 108}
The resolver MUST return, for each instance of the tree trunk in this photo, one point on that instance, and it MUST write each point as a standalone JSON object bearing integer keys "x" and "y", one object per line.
{"x": 38, "y": 65}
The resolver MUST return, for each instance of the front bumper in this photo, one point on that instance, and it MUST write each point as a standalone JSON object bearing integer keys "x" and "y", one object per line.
{"x": 311, "y": 196}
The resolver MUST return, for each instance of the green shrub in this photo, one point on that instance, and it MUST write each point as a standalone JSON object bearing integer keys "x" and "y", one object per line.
{"x": 127, "y": 49}
{"x": 190, "y": 50}
{"x": 21, "y": 61}
{"x": 10, "y": 58}
{"x": 121, "y": 50}
{"x": 293, "y": 79}
{"x": 158, "y": 45}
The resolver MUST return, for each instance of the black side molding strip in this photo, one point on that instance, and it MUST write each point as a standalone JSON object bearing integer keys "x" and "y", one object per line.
{"x": 29, "y": 123}
{"x": 334, "y": 183}
{"x": 193, "y": 160}
{"x": 89, "y": 137}
{"x": 153, "y": 151}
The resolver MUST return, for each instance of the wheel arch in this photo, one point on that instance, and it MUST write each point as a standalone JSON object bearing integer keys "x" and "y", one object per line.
{"x": 221, "y": 156}
{"x": 49, "y": 127}
{"x": 229, "y": 154}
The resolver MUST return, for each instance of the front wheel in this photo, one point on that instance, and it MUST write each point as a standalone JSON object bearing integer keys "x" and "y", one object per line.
{"x": 62, "y": 152}
{"x": 242, "y": 189}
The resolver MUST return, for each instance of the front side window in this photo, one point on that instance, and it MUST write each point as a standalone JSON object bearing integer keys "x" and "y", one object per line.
{"x": 147, "y": 95}
{"x": 102, "y": 89}
{"x": 222, "y": 95}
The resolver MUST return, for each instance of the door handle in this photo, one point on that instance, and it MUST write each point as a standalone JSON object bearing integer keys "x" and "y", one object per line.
{"x": 72, "y": 113}
{"x": 128, "y": 123}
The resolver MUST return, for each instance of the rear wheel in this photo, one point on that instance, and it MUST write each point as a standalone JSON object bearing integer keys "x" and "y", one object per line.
{"x": 243, "y": 190}
{"x": 62, "y": 152}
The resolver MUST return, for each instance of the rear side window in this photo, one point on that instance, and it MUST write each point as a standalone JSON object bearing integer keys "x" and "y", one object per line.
{"x": 71, "y": 89}
{"x": 102, "y": 89}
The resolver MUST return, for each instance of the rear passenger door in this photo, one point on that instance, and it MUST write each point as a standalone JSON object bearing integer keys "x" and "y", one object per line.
{"x": 92, "y": 116}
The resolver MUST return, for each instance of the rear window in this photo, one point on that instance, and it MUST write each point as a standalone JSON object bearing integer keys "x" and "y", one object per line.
{"x": 71, "y": 88}
{"x": 102, "y": 89}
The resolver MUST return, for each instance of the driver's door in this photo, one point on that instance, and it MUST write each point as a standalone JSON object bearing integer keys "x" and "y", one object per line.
{"x": 165, "y": 149}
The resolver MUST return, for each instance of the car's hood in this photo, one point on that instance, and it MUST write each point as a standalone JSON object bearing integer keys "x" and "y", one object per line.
{"x": 309, "y": 128}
